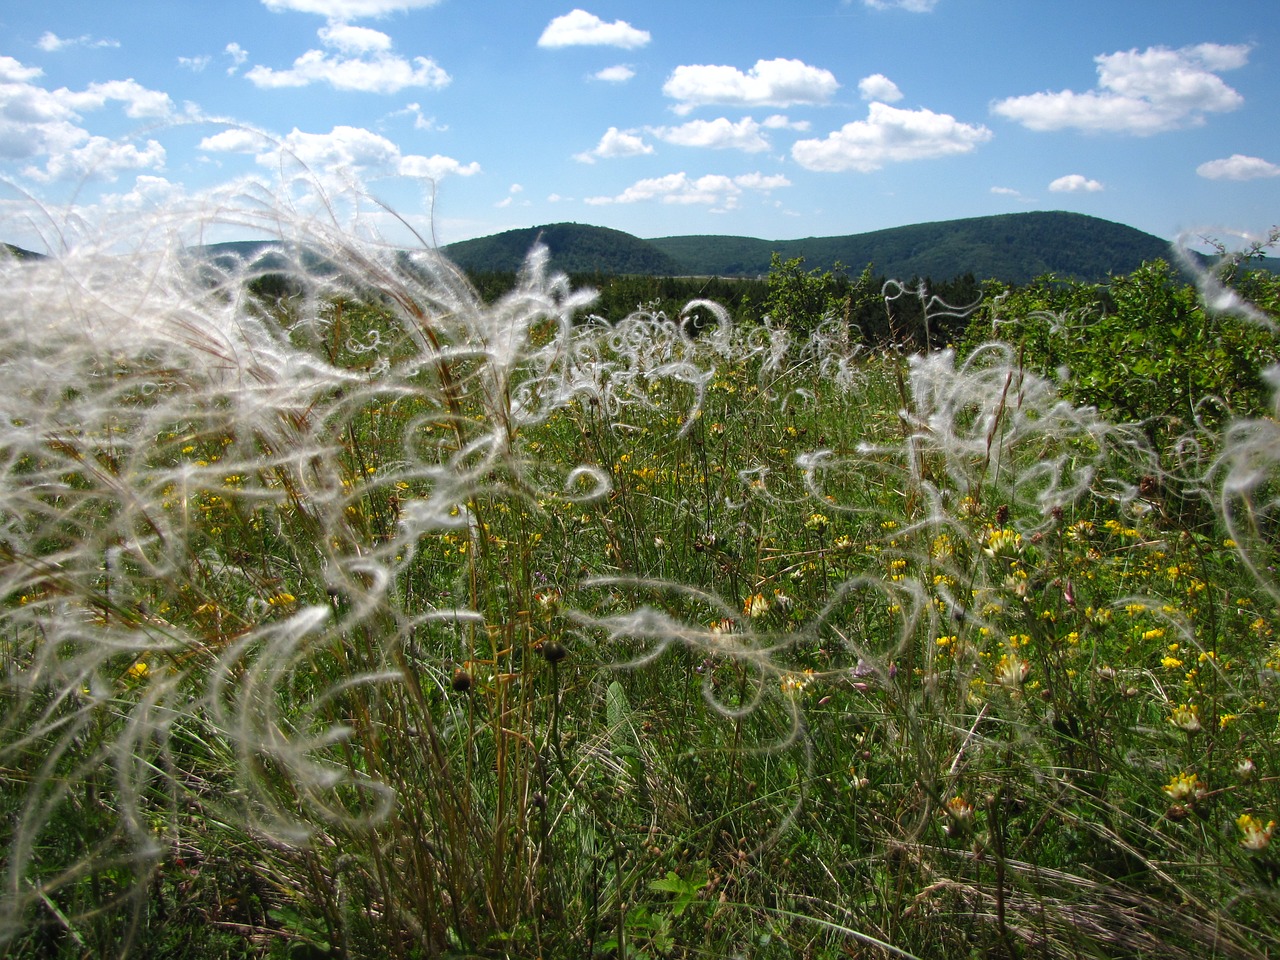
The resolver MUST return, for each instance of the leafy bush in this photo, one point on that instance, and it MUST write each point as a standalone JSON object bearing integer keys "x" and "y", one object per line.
{"x": 1143, "y": 349}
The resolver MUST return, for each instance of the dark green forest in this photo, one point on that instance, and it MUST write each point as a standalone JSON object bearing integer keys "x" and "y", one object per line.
{"x": 1014, "y": 248}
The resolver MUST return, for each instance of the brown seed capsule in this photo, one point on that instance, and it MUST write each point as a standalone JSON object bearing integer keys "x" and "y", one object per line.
{"x": 552, "y": 651}
{"x": 461, "y": 680}
{"x": 1002, "y": 513}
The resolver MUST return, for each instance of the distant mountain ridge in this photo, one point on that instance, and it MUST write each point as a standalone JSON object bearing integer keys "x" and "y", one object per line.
{"x": 1013, "y": 247}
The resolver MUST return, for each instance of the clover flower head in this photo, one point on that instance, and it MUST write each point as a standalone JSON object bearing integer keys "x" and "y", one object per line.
{"x": 1186, "y": 716}
{"x": 1184, "y": 786}
{"x": 755, "y": 606}
{"x": 1254, "y": 835}
{"x": 1002, "y": 542}
{"x": 1012, "y": 671}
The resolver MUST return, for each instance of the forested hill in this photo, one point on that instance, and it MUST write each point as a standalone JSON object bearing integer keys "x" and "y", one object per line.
{"x": 575, "y": 248}
{"x": 1013, "y": 247}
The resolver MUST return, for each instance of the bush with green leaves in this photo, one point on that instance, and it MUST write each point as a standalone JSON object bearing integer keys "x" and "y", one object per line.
{"x": 1143, "y": 349}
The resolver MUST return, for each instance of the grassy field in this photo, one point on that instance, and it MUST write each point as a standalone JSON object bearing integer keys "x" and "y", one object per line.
{"x": 381, "y": 622}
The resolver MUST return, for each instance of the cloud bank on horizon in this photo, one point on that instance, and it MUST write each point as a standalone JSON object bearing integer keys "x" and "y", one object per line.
{"x": 823, "y": 117}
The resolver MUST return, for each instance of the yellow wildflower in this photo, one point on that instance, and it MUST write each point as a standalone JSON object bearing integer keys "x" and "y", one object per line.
{"x": 1254, "y": 835}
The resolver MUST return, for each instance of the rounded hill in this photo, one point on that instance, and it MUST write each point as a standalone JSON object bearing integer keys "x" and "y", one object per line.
{"x": 574, "y": 247}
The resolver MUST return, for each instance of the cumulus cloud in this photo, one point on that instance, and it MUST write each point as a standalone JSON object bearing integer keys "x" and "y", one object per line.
{"x": 99, "y": 158}
{"x": 354, "y": 40}
{"x": 509, "y": 199}
{"x": 713, "y": 190}
{"x": 195, "y": 64}
{"x": 1238, "y": 167}
{"x": 435, "y": 167}
{"x": 615, "y": 143}
{"x": 718, "y": 134}
{"x": 1146, "y": 92}
{"x": 617, "y": 74}
{"x": 13, "y": 71}
{"x": 770, "y": 83}
{"x": 348, "y": 9}
{"x": 581, "y": 29}
{"x": 349, "y": 150}
{"x": 879, "y": 87}
{"x": 238, "y": 55}
{"x": 39, "y": 123}
{"x": 234, "y": 140}
{"x": 139, "y": 101}
{"x": 889, "y": 135}
{"x": 420, "y": 120}
{"x": 1075, "y": 183}
{"x": 362, "y": 61}
{"x": 778, "y": 121}
{"x": 50, "y": 42}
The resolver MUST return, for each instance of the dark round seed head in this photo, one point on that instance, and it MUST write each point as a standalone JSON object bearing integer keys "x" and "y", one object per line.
{"x": 461, "y": 680}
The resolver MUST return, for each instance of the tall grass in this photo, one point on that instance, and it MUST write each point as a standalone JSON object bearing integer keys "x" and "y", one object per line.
{"x": 370, "y": 619}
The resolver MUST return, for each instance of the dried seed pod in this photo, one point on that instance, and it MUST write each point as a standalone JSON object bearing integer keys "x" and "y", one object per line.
{"x": 552, "y": 651}
{"x": 461, "y": 680}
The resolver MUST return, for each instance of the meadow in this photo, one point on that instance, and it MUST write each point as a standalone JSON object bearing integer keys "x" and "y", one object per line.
{"x": 380, "y": 621}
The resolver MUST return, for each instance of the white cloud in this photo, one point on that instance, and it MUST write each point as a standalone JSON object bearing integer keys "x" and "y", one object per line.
{"x": 914, "y": 6}
{"x": 354, "y": 40}
{"x": 435, "y": 167}
{"x": 619, "y": 74}
{"x": 579, "y": 28}
{"x": 615, "y": 143}
{"x": 234, "y": 140}
{"x": 1075, "y": 183}
{"x": 1141, "y": 93}
{"x": 33, "y": 120}
{"x": 778, "y": 121}
{"x": 1006, "y": 192}
{"x": 343, "y": 148}
{"x": 348, "y": 9}
{"x": 760, "y": 181}
{"x": 420, "y": 120}
{"x": 349, "y": 150}
{"x": 712, "y": 190}
{"x": 363, "y": 63}
{"x": 140, "y": 102}
{"x": 152, "y": 192}
{"x": 889, "y": 135}
{"x": 39, "y": 123}
{"x": 99, "y": 158}
{"x": 770, "y": 83}
{"x": 12, "y": 71}
{"x": 50, "y": 42}
{"x": 879, "y": 87}
{"x": 195, "y": 64}
{"x": 238, "y": 55}
{"x": 718, "y": 134}
{"x": 509, "y": 199}
{"x": 1238, "y": 167}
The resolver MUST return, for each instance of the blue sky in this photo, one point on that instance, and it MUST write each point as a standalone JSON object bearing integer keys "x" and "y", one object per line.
{"x": 778, "y": 119}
